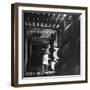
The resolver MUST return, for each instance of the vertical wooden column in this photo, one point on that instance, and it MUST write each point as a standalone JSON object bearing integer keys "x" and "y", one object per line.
{"x": 60, "y": 41}
{"x": 59, "y": 64}
{"x": 26, "y": 52}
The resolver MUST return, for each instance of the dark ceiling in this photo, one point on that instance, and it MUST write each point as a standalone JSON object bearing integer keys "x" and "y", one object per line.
{"x": 48, "y": 20}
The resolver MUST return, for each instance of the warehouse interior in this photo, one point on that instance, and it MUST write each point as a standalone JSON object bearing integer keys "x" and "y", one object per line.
{"x": 51, "y": 43}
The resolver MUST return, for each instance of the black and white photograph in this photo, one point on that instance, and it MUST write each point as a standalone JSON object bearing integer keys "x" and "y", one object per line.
{"x": 49, "y": 44}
